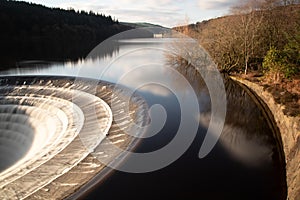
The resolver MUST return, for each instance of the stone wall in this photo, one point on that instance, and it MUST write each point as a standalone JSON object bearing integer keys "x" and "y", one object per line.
{"x": 290, "y": 133}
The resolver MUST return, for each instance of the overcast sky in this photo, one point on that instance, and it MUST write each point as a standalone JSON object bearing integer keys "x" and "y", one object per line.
{"x": 164, "y": 12}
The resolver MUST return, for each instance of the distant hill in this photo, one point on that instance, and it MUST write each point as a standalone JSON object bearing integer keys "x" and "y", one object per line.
{"x": 30, "y": 31}
{"x": 152, "y": 29}
{"x": 142, "y": 25}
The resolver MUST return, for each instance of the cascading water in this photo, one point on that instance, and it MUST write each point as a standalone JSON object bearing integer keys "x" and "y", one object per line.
{"x": 50, "y": 125}
{"x": 16, "y": 135}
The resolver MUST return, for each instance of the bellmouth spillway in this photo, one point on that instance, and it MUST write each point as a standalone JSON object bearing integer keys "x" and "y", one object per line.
{"x": 49, "y": 126}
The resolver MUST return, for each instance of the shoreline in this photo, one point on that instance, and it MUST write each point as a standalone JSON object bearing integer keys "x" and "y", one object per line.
{"x": 289, "y": 128}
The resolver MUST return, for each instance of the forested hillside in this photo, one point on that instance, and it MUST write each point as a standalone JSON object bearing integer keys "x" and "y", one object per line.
{"x": 30, "y": 31}
{"x": 258, "y": 35}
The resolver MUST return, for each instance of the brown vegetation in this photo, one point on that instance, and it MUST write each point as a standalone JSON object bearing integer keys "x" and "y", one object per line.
{"x": 240, "y": 42}
{"x": 260, "y": 39}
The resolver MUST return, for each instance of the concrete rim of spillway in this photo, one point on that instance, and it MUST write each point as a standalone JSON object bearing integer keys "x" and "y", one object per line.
{"x": 55, "y": 125}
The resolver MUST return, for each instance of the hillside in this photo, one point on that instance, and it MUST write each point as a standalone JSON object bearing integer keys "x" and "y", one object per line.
{"x": 261, "y": 45}
{"x": 142, "y": 25}
{"x": 239, "y": 42}
{"x": 30, "y": 31}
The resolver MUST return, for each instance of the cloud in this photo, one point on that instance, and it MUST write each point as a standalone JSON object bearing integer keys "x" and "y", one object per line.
{"x": 216, "y": 4}
{"x": 163, "y": 17}
{"x": 164, "y": 12}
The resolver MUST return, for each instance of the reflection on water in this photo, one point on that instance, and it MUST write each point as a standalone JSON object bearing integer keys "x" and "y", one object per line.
{"x": 118, "y": 57}
{"x": 244, "y": 164}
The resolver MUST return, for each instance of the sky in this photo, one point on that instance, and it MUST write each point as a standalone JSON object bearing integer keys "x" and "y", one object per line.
{"x": 167, "y": 13}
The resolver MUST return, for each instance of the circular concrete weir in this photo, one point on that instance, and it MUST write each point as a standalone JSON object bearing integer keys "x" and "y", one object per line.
{"x": 48, "y": 128}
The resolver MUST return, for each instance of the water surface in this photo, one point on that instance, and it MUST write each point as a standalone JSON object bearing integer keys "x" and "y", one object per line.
{"x": 244, "y": 164}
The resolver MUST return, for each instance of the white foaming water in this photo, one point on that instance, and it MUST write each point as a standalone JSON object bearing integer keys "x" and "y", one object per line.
{"x": 39, "y": 133}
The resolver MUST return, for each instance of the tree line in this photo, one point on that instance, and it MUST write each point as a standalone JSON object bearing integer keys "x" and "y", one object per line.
{"x": 261, "y": 35}
{"x": 31, "y": 31}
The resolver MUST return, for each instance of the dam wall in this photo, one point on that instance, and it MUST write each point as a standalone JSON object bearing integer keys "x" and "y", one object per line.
{"x": 290, "y": 133}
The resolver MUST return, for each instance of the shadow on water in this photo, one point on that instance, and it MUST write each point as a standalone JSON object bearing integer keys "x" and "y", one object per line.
{"x": 43, "y": 52}
{"x": 246, "y": 163}
{"x": 40, "y": 63}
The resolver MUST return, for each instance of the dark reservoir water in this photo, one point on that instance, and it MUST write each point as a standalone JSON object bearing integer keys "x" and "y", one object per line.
{"x": 245, "y": 163}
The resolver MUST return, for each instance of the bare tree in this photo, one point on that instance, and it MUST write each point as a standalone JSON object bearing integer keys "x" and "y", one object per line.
{"x": 249, "y": 23}
{"x": 221, "y": 40}
{"x": 243, "y": 38}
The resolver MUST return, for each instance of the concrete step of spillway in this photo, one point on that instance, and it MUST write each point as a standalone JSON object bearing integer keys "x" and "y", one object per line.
{"x": 55, "y": 130}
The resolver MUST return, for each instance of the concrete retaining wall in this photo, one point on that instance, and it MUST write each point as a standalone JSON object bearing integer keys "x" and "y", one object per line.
{"x": 290, "y": 133}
